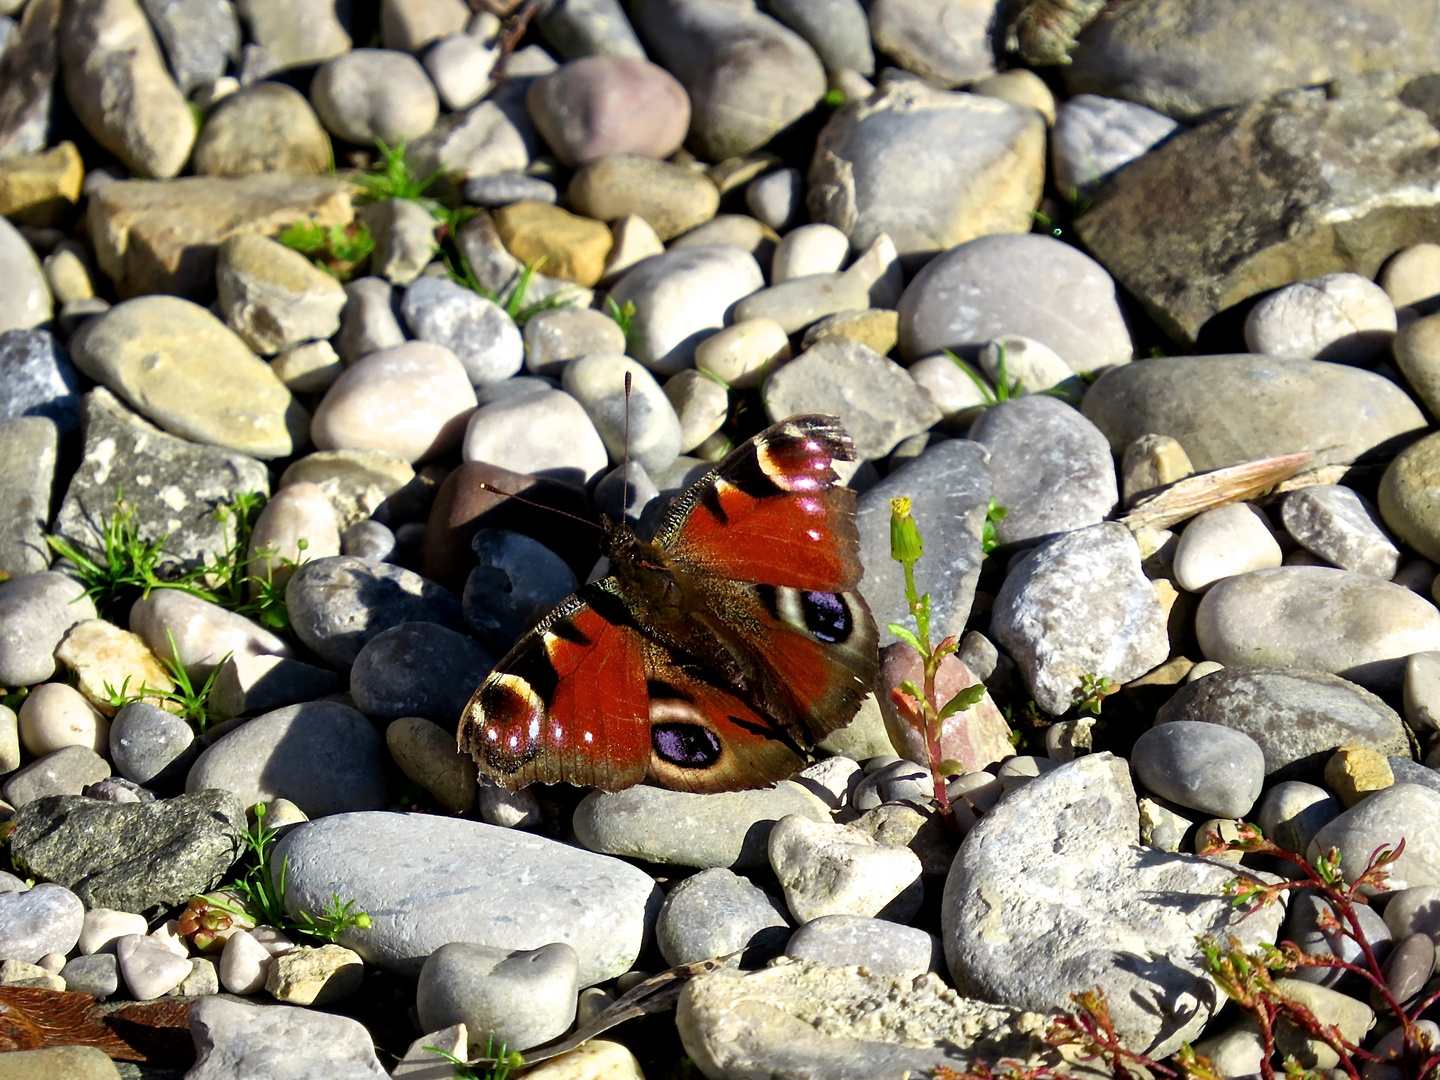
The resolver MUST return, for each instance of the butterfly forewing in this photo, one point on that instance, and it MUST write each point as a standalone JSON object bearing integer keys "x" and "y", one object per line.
{"x": 568, "y": 704}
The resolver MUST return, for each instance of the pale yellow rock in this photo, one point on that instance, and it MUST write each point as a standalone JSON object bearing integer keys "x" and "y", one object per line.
{"x": 573, "y": 248}
{"x": 1353, "y": 772}
{"x": 100, "y": 653}
{"x": 1151, "y": 462}
{"x": 273, "y": 297}
{"x": 598, "y": 1059}
{"x": 670, "y": 197}
{"x": 632, "y": 240}
{"x": 360, "y": 483}
{"x": 315, "y": 976}
{"x": 426, "y": 754}
{"x": 188, "y": 373}
{"x": 37, "y": 189}
{"x": 1412, "y": 276}
{"x": 1020, "y": 86}
{"x": 877, "y": 328}
{"x": 153, "y": 237}
{"x": 744, "y": 354}
{"x": 311, "y": 368}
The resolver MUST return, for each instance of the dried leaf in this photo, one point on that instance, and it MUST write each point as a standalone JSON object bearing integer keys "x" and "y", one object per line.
{"x": 1220, "y": 487}
{"x": 33, "y": 1019}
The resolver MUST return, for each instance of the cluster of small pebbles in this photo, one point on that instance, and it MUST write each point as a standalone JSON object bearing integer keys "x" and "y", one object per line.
{"x": 1050, "y": 304}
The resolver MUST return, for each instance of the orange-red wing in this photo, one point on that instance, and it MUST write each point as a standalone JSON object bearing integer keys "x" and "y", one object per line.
{"x": 771, "y": 512}
{"x": 568, "y": 704}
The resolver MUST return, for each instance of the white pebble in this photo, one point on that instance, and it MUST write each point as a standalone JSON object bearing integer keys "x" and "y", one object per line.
{"x": 55, "y": 715}
{"x": 1221, "y": 543}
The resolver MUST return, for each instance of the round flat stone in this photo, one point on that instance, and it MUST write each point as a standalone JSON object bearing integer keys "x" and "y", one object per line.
{"x": 1317, "y": 618}
{"x": 717, "y": 912}
{"x": 1216, "y": 770}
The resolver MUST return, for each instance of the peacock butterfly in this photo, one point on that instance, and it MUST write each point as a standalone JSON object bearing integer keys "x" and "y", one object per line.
{"x": 710, "y": 659}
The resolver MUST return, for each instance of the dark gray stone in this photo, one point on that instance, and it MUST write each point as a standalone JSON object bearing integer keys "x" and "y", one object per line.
{"x": 1227, "y": 409}
{"x": 28, "y": 450}
{"x": 370, "y": 319}
{"x": 900, "y": 780}
{"x": 1406, "y": 970}
{"x": 36, "y": 612}
{"x": 502, "y": 189}
{"x": 97, "y": 974}
{"x": 418, "y": 669}
{"x": 626, "y": 493}
{"x": 67, "y": 771}
{"x": 324, "y": 757}
{"x": 1297, "y": 717}
{"x": 879, "y": 404}
{"x": 1206, "y": 767}
{"x": 717, "y": 912}
{"x": 1409, "y": 771}
{"x": 201, "y": 37}
{"x": 949, "y": 487}
{"x": 515, "y": 585}
{"x": 368, "y": 539}
{"x": 1302, "y": 926}
{"x": 151, "y": 746}
{"x": 1052, "y": 468}
{"x": 338, "y": 604}
{"x": 1080, "y": 605}
{"x": 38, "y": 379}
{"x": 1269, "y": 193}
{"x": 838, "y": 31}
{"x": 174, "y": 485}
{"x": 140, "y": 857}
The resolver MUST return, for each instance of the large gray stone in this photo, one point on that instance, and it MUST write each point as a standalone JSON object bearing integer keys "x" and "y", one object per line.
{"x": 428, "y": 880}
{"x": 1052, "y": 468}
{"x": 1406, "y": 812}
{"x": 1051, "y": 891}
{"x": 418, "y": 669}
{"x": 144, "y": 857}
{"x": 324, "y": 757}
{"x": 1298, "y": 717}
{"x": 681, "y": 828}
{"x": 29, "y": 447}
{"x": 201, "y": 38}
{"x": 1188, "y": 57}
{"x": 1270, "y": 193}
{"x": 930, "y": 169}
{"x": 946, "y": 42}
{"x": 28, "y": 67}
{"x": 717, "y": 912}
{"x": 174, "y": 485}
{"x": 949, "y": 486}
{"x": 1317, "y": 618}
{"x": 1079, "y": 605}
{"x": 1025, "y": 284}
{"x": 747, "y": 75}
{"x": 1227, "y": 409}
{"x": 34, "y": 922}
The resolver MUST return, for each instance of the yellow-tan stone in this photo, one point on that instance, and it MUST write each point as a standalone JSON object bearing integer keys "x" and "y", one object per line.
{"x": 572, "y": 247}
{"x": 37, "y": 189}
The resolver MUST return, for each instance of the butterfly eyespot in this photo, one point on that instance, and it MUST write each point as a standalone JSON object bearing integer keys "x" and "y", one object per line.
{"x": 827, "y": 616}
{"x": 688, "y": 746}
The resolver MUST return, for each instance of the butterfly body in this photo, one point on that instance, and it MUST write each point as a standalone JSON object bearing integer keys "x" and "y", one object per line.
{"x": 710, "y": 659}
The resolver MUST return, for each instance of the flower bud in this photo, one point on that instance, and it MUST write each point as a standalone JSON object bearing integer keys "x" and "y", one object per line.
{"x": 905, "y": 543}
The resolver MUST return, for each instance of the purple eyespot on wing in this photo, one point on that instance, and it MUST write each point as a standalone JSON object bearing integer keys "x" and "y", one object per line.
{"x": 827, "y": 616}
{"x": 689, "y": 746}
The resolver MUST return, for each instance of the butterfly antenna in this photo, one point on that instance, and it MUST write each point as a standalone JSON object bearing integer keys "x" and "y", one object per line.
{"x": 539, "y": 506}
{"x": 625, "y": 457}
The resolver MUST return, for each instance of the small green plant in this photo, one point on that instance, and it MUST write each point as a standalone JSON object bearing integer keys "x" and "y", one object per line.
{"x": 623, "y": 314}
{"x": 993, "y": 514}
{"x": 194, "y": 704}
{"x": 833, "y": 99}
{"x": 392, "y": 177}
{"x": 1004, "y": 390}
{"x": 919, "y": 708}
{"x": 264, "y": 892}
{"x": 459, "y": 271}
{"x": 1090, "y": 695}
{"x": 339, "y": 250}
{"x": 501, "y": 1062}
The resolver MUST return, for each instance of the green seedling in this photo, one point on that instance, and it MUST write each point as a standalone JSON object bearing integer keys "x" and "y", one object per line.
{"x": 339, "y": 250}
{"x": 501, "y": 1062}
{"x": 392, "y": 177}
{"x": 1090, "y": 695}
{"x": 993, "y": 514}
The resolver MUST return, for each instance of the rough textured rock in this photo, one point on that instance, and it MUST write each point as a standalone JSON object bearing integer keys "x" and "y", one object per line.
{"x": 1227, "y": 409}
{"x": 1187, "y": 57}
{"x": 151, "y": 237}
{"x": 29, "y": 446}
{"x": 1269, "y": 193}
{"x": 1052, "y": 891}
{"x": 1298, "y": 717}
{"x": 280, "y": 1042}
{"x": 140, "y": 857}
{"x": 813, "y": 1021}
{"x": 173, "y": 485}
{"x": 1080, "y": 605}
